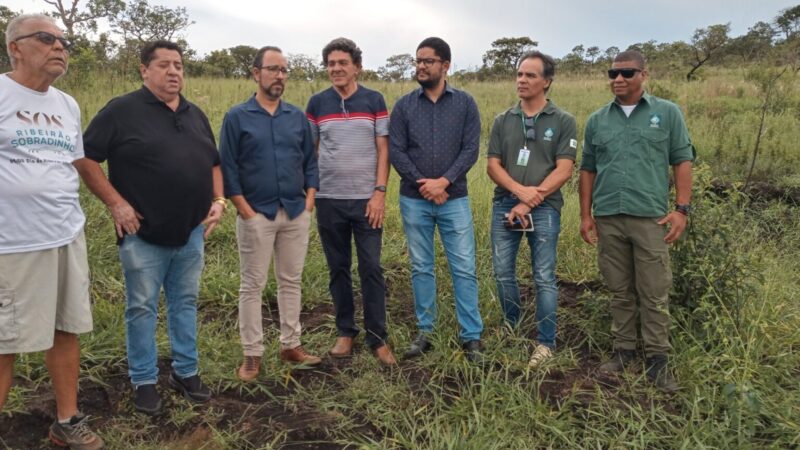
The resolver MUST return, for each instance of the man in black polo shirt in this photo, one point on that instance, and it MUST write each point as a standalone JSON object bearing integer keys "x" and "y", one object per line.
{"x": 165, "y": 195}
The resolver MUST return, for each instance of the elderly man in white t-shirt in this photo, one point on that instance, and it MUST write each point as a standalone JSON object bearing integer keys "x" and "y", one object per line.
{"x": 44, "y": 274}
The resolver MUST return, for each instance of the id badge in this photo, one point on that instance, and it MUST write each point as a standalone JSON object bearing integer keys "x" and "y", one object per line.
{"x": 522, "y": 159}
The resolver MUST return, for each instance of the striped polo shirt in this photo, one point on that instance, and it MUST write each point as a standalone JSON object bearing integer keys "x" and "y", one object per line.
{"x": 346, "y": 130}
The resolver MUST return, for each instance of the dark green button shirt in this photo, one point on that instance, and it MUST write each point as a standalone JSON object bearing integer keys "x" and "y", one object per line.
{"x": 632, "y": 156}
{"x": 556, "y": 138}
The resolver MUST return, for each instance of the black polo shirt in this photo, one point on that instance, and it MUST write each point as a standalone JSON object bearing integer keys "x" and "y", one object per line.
{"x": 159, "y": 160}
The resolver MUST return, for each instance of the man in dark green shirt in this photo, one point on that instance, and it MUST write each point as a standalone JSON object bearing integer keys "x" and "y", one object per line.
{"x": 629, "y": 145}
{"x": 531, "y": 155}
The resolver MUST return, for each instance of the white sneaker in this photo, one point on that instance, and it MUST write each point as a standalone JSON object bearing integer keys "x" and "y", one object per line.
{"x": 540, "y": 354}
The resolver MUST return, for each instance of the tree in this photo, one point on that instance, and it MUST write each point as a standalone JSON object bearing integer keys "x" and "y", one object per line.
{"x": 220, "y": 63}
{"x": 707, "y": 43}
{"x": 789, "y": 22}
{"x": 303, "y": 67}
{"x": 243, "y": 56}
{"x": 141, "y": 22}
{"x": 77, "y": 20}
{"x": 397, "y": 67}
{"x": 505, "y": 54}
{"x": 755, "y": 44}
{"x": 5, "y": 17}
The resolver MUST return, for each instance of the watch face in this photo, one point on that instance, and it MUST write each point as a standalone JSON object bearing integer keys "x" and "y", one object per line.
{"x": 380, "y": 188}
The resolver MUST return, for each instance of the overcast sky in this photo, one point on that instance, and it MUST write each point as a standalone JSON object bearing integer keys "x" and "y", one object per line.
{"x": 383, "y": 28}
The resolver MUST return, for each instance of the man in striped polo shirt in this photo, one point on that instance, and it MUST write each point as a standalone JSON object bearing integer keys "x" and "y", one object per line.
{"x": 350, "y": 124}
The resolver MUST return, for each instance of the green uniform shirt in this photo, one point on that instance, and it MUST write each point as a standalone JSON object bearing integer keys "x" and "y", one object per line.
{"x": 556, "y": 138}
{"x": 632, "y": 155}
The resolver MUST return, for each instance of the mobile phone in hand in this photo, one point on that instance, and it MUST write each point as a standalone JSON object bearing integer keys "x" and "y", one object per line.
{"x": 517, "y": 225}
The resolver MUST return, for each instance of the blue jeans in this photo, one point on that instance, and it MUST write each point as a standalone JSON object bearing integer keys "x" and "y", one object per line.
{"x": 543, "y": 243}
{"x": 454, "y": 218}
{"x": 148, "y": 267}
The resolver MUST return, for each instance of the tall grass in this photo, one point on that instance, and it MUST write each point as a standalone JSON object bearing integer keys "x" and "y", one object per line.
{"x": 741, "y": 385}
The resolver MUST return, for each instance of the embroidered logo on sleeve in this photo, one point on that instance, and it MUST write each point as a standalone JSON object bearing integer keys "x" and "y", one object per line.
{"x": 573, "y": 143}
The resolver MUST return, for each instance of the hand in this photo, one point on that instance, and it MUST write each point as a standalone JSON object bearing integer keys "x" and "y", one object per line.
{"x": 212, "y": 219}
{"x": 432, "y": 189}
{"x": 375, "y": 209}
{"x": 309, "y": 203}
{"x": 441, "y": 198}
{"x": 677, "y": 223}
{"x": 126, "y": 219}
{"x": 589, "y": 230}
{"x": 530, "y": 195}
{"x": 520, "y": 211}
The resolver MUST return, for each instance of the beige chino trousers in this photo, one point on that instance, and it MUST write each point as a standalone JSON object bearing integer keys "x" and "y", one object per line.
{"x": 261, "y": 239}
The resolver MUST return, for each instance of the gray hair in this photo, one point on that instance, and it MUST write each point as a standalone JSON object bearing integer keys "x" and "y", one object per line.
{"x": 12, "y": 31}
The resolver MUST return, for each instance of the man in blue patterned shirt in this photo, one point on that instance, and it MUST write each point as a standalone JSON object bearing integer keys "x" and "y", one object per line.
{"x": 434, "y": 138}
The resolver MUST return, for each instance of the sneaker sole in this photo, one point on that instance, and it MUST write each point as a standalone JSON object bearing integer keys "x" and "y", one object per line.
{"x": 185, "y": 394}
{"x": 58, "y": 442}
{"x": 149, "y": 411}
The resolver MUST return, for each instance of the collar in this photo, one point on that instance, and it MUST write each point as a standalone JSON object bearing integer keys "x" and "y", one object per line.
{"x": 149, "y": 97}
{"x": 646, "y": 98}
{"x": 253, "y": 105}
{"x": 447, "y": 89}
{"x": 549, "y": 108}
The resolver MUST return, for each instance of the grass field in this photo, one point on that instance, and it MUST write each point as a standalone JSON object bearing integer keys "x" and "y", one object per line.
{"x": 736, "y": 327}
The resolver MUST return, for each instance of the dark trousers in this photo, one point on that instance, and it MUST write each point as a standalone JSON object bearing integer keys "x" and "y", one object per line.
{"x": 338, "y": 222}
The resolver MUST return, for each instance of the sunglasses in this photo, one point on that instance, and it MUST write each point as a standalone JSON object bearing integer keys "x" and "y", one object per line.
{"x": 48, "y": 39}
{"x": 626, "y": 73}
{"x": 530, "y": 132}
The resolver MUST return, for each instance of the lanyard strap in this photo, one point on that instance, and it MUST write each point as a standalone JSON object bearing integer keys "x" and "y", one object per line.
{"x": 525, "y": 130}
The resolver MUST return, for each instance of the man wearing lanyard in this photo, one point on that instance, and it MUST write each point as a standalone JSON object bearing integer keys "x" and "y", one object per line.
{"x": 624, "y": 189}
{"x": 532, "y": 152}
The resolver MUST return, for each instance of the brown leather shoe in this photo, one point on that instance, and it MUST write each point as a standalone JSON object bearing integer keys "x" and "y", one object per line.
{"x": 298, "y": 355}
{"x": 248, "y": 371}
{"x": 343, "y": 347}
{"x": 384, "y": 355}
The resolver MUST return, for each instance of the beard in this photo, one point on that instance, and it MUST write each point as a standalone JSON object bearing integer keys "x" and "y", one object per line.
{"x": 430, "y": 83}
{"x": 274, "y": 91}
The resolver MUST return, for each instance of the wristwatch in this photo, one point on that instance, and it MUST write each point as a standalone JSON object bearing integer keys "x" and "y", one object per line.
{"x": 380, "y": 188}
{"x": 683, "y": 209}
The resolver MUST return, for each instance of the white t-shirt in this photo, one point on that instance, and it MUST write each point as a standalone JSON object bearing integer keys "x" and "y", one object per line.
{"x": 628, "y": 109}
{"x": 40, "y": 136}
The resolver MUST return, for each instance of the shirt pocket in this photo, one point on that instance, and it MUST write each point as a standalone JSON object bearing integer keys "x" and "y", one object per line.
{"x": 657, "y": 143}
{"x": 602, "y": 142}
{"x": 8, "y": 318}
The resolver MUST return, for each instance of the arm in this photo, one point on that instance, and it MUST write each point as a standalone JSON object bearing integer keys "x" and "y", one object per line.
{"x": 585, "y": 188}
{"x": 683, "y": 194}
{"x": 126, "y": 219}
{"x": 560, "y": 175}
{"x": 434, "y": 189}
{"x": 398, "y": 145}
{"x": 311, "y": 171}
{"x": 217, "y": 208}
{"x": 376, "y": 204}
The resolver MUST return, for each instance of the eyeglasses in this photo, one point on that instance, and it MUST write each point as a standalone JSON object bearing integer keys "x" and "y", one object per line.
{"x": 427, "y": 62}
{"x": 626, "y": 73}
{"x": 274, "y": 69}
{"x": 48, "y": 39}
{"x": 530, "y": 131}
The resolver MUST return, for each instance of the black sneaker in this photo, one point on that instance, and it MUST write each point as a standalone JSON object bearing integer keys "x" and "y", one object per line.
{"x": 191, "y": 388}
{"x": 658, "y": 372}
{"x": 619, "y": 359}
{"x": 76, "y": 434}
{"x": 419, "y": 345}
{"x": 146, "y": 399}
{"x": 472, "y": 350}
